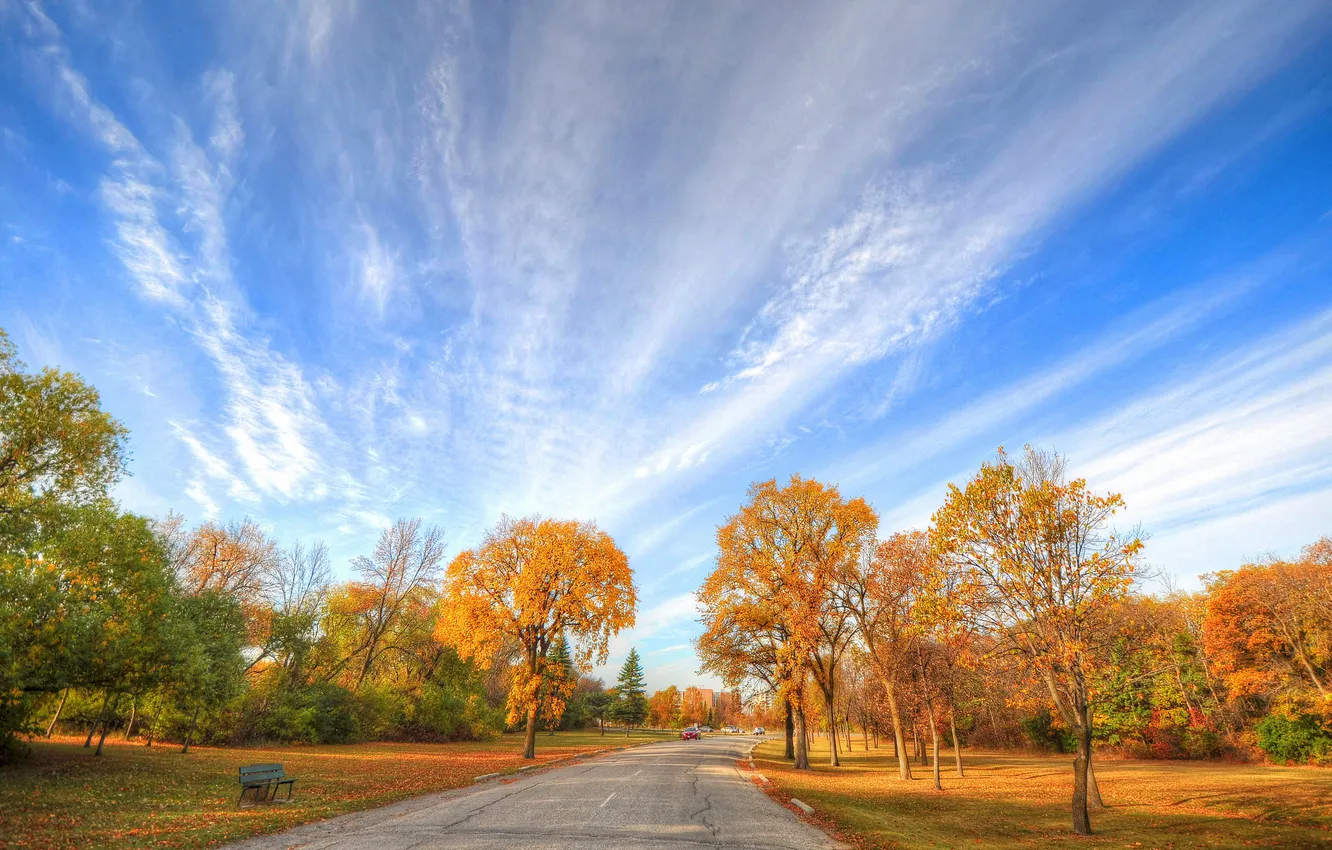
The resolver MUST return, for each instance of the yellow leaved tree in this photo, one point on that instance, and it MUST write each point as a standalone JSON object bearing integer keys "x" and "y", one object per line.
{"x": 1033, "y": 562}
{"x": 530, "y": 582}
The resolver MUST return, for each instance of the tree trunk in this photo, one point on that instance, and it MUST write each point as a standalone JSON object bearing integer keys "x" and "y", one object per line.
{"x": 189, "y": 736}
{"x": 529, "y": 741}
{"x": 101, "y": 718}
{"x": 790, "y": 732}
{"x": 899, "y": 742}
{"x": 865, "y": 733}
{"x": 1081, "y": 765}
{"x": 801, "y": 741}
{"x": 134, "y": 715}
{"x": 59, "y": 708}
{"x": 934, "y": 745}
{"x": 833, "y": 760}
{"x": 601, "y": 722}
{"x": 1093, "y": 790}
{"x": 957, "y": 748}
{"x": 102, "y": 740}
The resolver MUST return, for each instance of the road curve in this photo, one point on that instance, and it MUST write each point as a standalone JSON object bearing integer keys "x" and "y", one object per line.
{"x": 670, "y": 795}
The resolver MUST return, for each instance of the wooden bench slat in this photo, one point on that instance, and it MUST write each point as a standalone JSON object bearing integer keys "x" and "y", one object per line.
{"x": 265, "y": 778}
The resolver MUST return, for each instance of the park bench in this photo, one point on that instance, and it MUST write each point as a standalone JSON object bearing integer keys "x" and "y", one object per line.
{"x": 265, "y": 779}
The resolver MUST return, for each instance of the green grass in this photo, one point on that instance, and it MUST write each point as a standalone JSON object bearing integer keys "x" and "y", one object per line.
{"x": 1019, "y": 801}
{"x": 134, "y": 796}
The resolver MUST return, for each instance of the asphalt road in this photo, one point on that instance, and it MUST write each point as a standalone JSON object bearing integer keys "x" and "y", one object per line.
{"x": 670, "y": 795}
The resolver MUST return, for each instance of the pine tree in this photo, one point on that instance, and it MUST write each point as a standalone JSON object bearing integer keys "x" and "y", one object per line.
{"x": 560, "y": 681}
{"x": 631, "y": 706}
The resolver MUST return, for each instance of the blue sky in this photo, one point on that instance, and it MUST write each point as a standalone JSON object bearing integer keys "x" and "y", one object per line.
{"x": 334, "y": 263}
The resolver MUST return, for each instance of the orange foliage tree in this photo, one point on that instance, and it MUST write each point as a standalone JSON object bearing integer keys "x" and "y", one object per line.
{"x": 1269, "y": 626}
{"x": 664, "y": 708}
{"x": 880, "y": 592}
{"x": 1038, "y": 567}
{"x": 531, "y": 581}
{"x": 778, "y": 559}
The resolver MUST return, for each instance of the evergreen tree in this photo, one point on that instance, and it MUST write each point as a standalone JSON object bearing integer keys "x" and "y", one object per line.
{"x": 631, "y": 705}
{"x": 560, "y": 682}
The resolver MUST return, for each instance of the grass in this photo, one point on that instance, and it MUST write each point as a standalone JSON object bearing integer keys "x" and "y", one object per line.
{"x": 133, "y": 796}
{"x": 1018, "y": 801}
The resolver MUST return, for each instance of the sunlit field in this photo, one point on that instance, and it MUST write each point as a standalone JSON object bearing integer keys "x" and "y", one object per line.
{"x": 135, "y": 796}
{"x": 1008, "y": 801}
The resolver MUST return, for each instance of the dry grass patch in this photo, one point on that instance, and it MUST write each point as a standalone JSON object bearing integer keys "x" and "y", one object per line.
{"x": 1011, "y": 801}
{"x": 134, "y": 796}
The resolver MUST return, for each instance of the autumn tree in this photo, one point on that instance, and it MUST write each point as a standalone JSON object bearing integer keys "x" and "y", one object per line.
{"x": 530, "y": 581}
{"x": 880, "y": 591}
{"x": 664, "y": 707}
{"x": 1269, "y": 626}
{"x": 778, "y": 560}
{"x": 694, "y": 707}
{"x": 1038, "y": 565}
{"x": 740, "y": 643}
{"x": 405, "y": 565}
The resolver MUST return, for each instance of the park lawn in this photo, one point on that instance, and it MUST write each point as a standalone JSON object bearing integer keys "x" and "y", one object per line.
{"x": 134, "y": 796}
{"x": 1011, "y": 801}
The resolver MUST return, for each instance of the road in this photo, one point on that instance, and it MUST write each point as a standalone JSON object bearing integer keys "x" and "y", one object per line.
{"x": 666, "y": 796}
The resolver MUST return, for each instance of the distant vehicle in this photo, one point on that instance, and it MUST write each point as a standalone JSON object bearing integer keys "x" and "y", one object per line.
{"x": 690, "y": 734}
{"x": 730, "y": 730}
{"x": 705, "y": 728}
{"x": 759, "y": 730}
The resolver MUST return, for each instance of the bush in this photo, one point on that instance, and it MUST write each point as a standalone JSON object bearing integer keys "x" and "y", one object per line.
{"x": 1042, "y": 732}
{"x": 1301, "y": 739}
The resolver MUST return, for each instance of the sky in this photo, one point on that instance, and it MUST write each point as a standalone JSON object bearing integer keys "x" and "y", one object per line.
{"x": 334, "y": 263}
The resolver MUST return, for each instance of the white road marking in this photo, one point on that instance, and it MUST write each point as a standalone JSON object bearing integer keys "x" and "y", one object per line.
{"x": 608, "y": 799}
{"x": 636, "y": 772}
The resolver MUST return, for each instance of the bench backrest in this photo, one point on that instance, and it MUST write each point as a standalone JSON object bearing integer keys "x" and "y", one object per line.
{"x": 261, "y": 773}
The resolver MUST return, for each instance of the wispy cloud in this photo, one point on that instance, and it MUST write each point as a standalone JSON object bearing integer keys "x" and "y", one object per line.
{"x": 605, "y": 263}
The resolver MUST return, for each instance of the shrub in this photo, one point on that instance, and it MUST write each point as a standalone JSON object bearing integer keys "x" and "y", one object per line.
{"x": 1040, "y": 729}
{"x": 1298, "y": 739}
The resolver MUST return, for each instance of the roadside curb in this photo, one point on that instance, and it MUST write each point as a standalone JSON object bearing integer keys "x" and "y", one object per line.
{"x": 802, "y": 806}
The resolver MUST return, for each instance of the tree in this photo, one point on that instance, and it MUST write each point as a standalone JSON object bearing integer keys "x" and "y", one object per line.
{"x": 531, "y": 581}
{"x": 880, "y": 592}
{"x": 664, "y": 708}
{"x": 207, "y": 668}
{"x": 630, "y": 707}
{"x": 57, "y": 446}
{"x": 694, "y": 707}
{"x": 777, "y": 561}
{"x": 598, "y": 705}
{"x": 405, "y": 563}
{"x": 1269, "y": 626}
{"x": 561, "y": 679}
{"x": 86, "y": 608}
{"x": 1038, "y": 567}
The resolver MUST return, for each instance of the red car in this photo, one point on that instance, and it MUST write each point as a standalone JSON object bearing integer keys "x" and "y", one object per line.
{"x": 690, "y": 734}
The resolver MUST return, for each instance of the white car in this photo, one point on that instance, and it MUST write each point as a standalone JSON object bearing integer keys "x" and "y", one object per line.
{"x": 759, "y": 730}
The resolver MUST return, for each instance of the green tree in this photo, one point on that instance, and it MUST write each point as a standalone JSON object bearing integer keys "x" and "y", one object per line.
{"x": 57, "y": 447}
{"x": 207, "y": 636}
{"x": 86, "y": 607}
{"x": 561, "y": 678}
{"x": 599, "y": 705}
{"x": 630, "y": 706}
